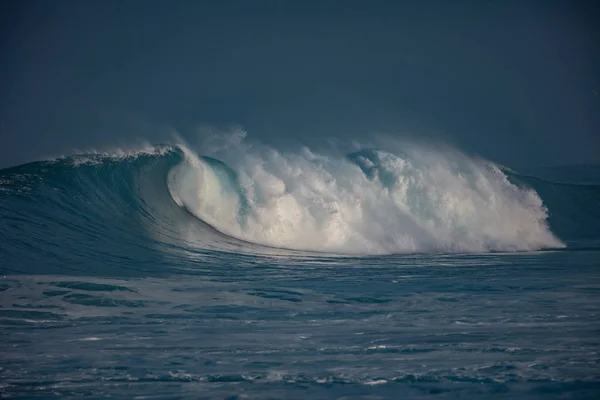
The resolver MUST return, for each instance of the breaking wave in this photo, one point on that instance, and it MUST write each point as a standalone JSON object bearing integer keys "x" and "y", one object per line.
{"x": 369, "y": 201}
{"x": 250, "y": 198}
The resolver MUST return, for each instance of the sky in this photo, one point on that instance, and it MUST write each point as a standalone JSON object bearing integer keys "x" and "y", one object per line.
{"x": 517, "y": 82}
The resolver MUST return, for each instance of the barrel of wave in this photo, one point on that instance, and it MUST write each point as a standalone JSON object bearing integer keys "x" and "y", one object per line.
{"x": 260, "y": 207}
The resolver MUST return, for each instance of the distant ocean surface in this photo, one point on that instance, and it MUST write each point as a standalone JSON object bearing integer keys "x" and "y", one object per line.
{"x": 247, "y": 272}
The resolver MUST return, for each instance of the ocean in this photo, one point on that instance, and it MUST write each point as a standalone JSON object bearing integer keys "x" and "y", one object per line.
{"x": 248, "y": 272}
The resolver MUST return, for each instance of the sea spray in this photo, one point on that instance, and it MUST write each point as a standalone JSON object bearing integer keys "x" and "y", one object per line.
{"x": 370, "y": 201}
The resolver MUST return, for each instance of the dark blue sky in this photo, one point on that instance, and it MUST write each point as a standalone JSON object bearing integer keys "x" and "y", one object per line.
{"x": 513, "y": 81}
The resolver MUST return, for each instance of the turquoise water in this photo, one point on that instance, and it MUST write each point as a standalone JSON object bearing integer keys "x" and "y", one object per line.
{"x": 159, "y": 274}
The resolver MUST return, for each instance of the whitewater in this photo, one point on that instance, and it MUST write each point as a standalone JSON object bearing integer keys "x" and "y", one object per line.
{"x": 237, "y": 270}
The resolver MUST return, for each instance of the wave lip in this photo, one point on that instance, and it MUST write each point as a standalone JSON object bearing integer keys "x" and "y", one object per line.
{"x": 367, "y": 202}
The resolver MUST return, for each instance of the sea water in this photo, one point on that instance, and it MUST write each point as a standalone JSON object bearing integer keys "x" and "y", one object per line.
{"x": 247, "y": 272}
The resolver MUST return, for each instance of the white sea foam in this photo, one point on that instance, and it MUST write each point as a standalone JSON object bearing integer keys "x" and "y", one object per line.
{"x": 95, "y": 156}
{"x": 419, "y": 199}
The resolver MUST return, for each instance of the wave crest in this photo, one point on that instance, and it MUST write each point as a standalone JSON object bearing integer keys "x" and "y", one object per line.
{"x": 370, "y": 201}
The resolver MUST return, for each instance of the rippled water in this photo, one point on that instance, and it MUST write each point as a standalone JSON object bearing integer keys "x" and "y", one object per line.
{"x": 505, "y": 325}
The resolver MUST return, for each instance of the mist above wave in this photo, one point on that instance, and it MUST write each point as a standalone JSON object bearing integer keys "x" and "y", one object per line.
{"x": 416, "y": 198}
